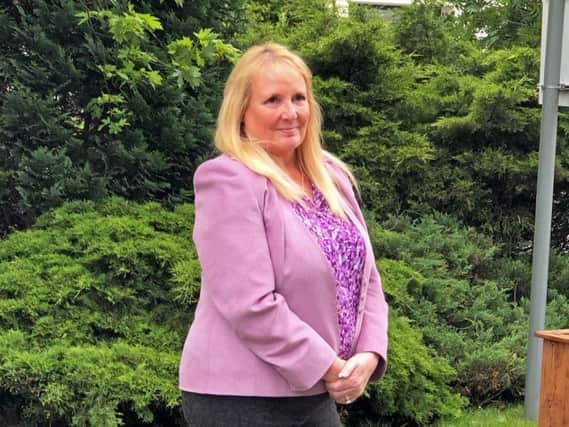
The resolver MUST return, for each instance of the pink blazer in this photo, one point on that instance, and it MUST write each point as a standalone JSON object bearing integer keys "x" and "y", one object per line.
{"x": 266, "y": 321}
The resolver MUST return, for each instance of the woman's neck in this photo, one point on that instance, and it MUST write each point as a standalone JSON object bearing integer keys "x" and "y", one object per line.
{"x": 290, "y": 165}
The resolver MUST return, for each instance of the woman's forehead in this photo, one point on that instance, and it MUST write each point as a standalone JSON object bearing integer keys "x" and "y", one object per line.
{"x": 277, "y": 68}
{"x": 275, "y": 72}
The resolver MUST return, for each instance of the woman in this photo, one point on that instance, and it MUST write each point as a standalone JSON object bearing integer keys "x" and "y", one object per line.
{"x": 291, "y": 315}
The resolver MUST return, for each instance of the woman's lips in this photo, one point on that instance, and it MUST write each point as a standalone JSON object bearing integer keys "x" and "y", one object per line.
{"x": 288, "y": 131}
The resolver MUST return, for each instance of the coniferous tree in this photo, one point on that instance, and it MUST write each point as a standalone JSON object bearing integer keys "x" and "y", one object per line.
{"x": 106, "y": 97}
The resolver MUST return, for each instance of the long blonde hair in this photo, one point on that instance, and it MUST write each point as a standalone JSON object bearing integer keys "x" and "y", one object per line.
{"x": 229, "y": 138}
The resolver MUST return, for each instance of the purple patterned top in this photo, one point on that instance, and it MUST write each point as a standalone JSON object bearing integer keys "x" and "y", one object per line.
{"x": 344, "y": 248}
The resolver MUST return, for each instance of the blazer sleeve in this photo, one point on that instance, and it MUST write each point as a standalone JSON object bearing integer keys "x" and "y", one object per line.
{"x": 373, "y": 332}
{"x": 238, "y": 278}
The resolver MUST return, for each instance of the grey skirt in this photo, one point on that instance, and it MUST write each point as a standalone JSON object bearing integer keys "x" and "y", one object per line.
{"x": 206, "y": 410}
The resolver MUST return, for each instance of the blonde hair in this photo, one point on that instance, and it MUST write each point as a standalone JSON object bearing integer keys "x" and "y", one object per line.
{"x": 230, "y": 140}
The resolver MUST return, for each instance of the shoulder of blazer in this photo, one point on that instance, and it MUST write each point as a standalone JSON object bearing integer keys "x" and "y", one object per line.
{"x": 342, "y": 181}
{"x": 225, "y": 169}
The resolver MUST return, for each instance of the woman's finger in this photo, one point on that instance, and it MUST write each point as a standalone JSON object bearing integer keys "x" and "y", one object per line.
{"x": 348, "y": 368}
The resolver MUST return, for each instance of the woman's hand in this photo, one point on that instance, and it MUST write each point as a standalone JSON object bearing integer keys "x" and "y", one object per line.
{"x": 353, "y": 377}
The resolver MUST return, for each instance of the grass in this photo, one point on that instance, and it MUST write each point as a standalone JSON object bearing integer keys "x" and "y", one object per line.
{"x": 512, "y": 416}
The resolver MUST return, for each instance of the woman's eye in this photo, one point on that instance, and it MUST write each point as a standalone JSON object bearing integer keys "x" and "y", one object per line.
{"x": 272, "y": 100}
{"x": 299, "y": 98}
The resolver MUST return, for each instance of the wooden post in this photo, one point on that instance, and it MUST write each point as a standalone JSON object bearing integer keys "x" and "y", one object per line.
{"x": 554, "y": 400}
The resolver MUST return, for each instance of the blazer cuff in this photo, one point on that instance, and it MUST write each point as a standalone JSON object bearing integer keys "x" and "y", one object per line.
{"x": 314, "y": 370}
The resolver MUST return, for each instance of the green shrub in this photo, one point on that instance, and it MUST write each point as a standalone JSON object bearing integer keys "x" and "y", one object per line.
{"x": 95, "y": 301}
{"x": 415, "y": 389}
{"x": 96, "y": 298}
{"x": 448, "y": 280}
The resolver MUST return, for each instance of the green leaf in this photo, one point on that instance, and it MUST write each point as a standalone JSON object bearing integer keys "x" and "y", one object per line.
{"x": 154, "y": 78}
{"x": 151, "y": 22}
{"x": 191, "y": 75}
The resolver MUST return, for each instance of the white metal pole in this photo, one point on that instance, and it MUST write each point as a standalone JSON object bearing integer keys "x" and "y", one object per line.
{"x": 544, "y": 202}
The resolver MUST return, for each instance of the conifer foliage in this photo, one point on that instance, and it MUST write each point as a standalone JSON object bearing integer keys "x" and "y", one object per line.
{"x": 106, "y": 108}
{"x": 106, "y": 97}
{"x": 95, "y": 304}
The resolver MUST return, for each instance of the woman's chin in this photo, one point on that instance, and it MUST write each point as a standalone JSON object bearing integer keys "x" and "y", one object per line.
{"x": 283, "y": 147}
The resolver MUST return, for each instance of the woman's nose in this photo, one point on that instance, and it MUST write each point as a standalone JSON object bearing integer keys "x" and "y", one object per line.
{"x": 289, "y": 110}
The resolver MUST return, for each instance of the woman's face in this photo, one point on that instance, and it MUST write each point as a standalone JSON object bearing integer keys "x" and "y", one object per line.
{"x": 278, "y": 110}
